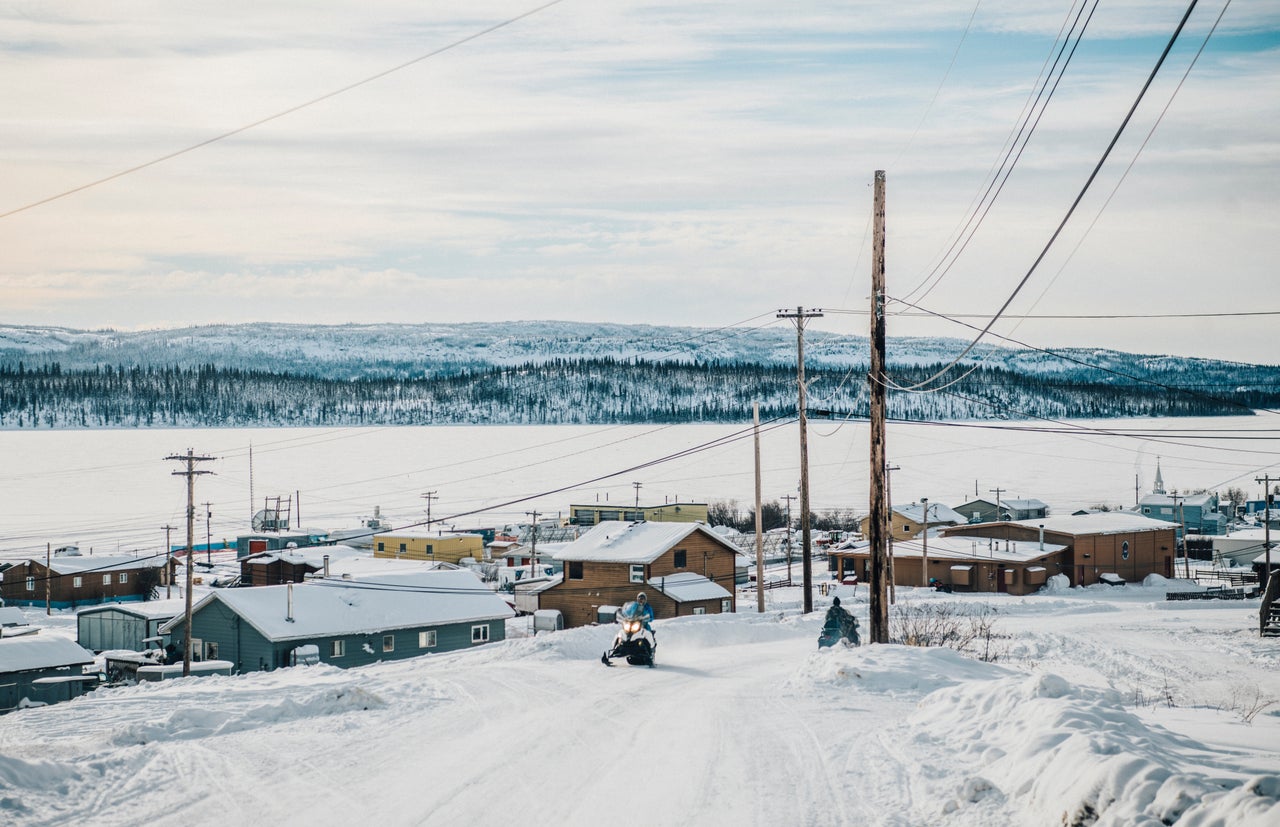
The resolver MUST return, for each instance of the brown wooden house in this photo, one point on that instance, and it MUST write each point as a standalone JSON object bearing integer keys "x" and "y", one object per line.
{"x": 963, "y": 564}
{"x": 1117, "y": 542}
{"x": 683, "y": 568}
{"x": 76, "y": 580}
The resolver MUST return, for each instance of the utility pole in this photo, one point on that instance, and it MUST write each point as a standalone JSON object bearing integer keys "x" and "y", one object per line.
{"x": 168, "y": 563}
{"x": 924, "y": 547}
{"x": 190, "y": 473}
{"x": 48, "y": 578}
{"x": 1266, "y": 525}
{"x": 755, "y": 416}
{"x": 533, "y": 548}
{"x": 800, "y": 317}
{"x": 789, "y": 498}
{"x": 890, "y": 574}
{"x": 429, "y": 496}
{"x": 998, "y": 492}
{"x": 1182, "y": 527}
{"x": 878, "y": 388}
{"x": 637, "y": 486}
{"x": 208, "y": 541}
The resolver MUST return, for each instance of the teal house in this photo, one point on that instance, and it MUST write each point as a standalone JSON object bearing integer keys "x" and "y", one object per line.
{"x": 344, "y": 622}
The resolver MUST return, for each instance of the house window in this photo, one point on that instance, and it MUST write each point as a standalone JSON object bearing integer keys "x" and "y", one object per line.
{"x": 699, "y": 610}
{"x": 726, "y": 605}
{"x": 681, "y": 558}
{"x": 388, "y": 643}
{"x": 427, "y": 640}
{"x": 430, "y": 550}
{"x": 197, "y": 648}
{"x": 608, "y": 515}
{"x": 402, "y": 548}
{"x": 124, "y": 577}
{"x": 575, "y": 569}
{"x": 77, "y": 582}
{"x": 637, "y": 573}
{"x": 382, "y": 546}
{"x": 337, "y": 648}
{"x": 480, "y": 634}
{"x": 1146, "y": 509}
{"x": 31, "y": 584}
{"x": 106, "y": 580}
{"x": 211, "y": 651}
{"x": 633, "y": 516}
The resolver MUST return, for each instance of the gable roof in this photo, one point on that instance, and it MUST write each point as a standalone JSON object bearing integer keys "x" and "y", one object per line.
{"x": 74, "y": 564}
{"x": 149, "y": 609}
{"x": 330, "y": 608}
{"x": 641, "y": 542}
{"x": 1105, "y": 522}
{"x": 1024, "y": 505}
{"x": 938, "y": 513}
{"x": 31, "y": 652}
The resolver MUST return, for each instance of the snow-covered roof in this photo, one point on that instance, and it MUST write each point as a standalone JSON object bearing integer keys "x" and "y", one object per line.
{"x": 309, "y": 555}
{"x": 150, "y": 609}
{"x": 332, "y": 607}
{"x": 102, "y": 563}
{"x": 641, "y": 542}
{"x": 938, "y": 513}
{"x": 30, "y": 652}
{"x": 688, "y": 586}
{"x": 975, "y": 548}
{"x": 426, "y": 534}
{"x": 1107, "y": 522}
{"x": 1023, "y": 505}
{"x": 1189, "y": 501}
{"x": 12, "y": 616}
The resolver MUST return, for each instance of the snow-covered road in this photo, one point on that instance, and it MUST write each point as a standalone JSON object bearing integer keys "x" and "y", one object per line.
{"x": 743, "y": 721}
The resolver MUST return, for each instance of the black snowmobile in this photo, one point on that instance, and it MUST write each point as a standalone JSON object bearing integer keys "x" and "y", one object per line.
{"x": 839, "y": 625}
{"x": 634, "y": 641}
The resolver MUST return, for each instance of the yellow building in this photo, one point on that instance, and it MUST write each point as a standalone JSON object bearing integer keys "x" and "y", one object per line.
{"x": 596, "y": 513}
{"x": 426, "y": 545}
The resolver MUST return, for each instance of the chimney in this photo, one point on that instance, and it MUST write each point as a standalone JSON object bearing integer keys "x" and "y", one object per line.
{"x": 289, "y": 614}
{"x": 326, "y": 560}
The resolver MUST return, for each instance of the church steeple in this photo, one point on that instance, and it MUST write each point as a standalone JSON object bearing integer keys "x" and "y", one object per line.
{"x": 1159, "y": 489}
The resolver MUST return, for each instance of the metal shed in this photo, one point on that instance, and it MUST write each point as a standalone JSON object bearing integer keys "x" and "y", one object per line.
{"x": 124, "y": 626}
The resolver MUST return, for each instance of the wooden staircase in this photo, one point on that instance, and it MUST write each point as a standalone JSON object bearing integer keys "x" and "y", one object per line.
{"x": 1269, "y": 613}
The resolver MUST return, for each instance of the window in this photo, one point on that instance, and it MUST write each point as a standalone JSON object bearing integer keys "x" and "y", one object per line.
{"x": 124, "y": 577}
{"x": 427, "y": 640}
{"x": 337, "y": 649}
{"x": 382, "y": 546}
{"x": 609, "y": 515}
{"x": 583, "y": 516}
{"x": 633, "y": 516}
{"x": 637, "y": 573}
{"x": 430, "y": 550}
{"x": 106, "y": 580}
{"x": 388, "y": 643}
{"x": 726, "y": 605}
{"x": 77, "y": 582}
{"x": 31, "y": 584}
{"x": 480, "y": 634}
{"x": 402, "y": 548}
{"x": 197, "y": 649}
{"x": 575, "y": 569}
{"x": 699, "y": 610}
{"x": 211, "y": 651}
{"x": 681, "y": 558}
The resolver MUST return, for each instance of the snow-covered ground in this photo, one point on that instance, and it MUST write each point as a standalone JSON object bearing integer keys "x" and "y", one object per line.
{"x": 1102, "y": 706}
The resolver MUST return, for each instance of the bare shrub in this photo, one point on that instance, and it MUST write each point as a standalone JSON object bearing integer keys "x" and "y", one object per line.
{"x": 968, "y": 629}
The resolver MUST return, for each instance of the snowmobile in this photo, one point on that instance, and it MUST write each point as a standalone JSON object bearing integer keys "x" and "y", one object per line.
{"x": 635, "y": 641}
{"x": 839, "y": 625}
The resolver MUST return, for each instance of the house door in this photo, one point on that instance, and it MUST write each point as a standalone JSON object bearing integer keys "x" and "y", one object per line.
{"x": 1001, "y": 586}
{"x": 257, "y": 546}
{"x": 1079, "y": 575}
{"x": 1168, "y": 567}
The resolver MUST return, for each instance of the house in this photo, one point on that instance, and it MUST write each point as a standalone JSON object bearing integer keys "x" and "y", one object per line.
{"x": 129, "y": 626}
{"x": 420, "y": 544}
{"x": 74, "y": 580}
{"x": 907, "y": 521}
{"x": 685, "y": 569}
{"x": 39, "y": 669}
{"x": 1113, "y": 542}
{"x": 1241, "y": 547}
{"x": 1197, "y": 512}
{"x": 590, "y": 515}
{"x": 965, "y": 564}
{"x": 292, "y": 565}
{"x": 985, "y": 511}
{"x": 344, "y": 622}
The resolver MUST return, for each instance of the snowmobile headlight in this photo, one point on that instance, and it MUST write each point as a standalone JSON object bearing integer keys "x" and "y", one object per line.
{"x": 631, "y": 626}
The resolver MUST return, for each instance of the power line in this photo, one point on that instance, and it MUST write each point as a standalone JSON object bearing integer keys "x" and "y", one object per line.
{"x": 1074, "y": 204}
{"x": 283, "y": 113}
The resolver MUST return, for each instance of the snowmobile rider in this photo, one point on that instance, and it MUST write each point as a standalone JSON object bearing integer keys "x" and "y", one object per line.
{"x": 645, "y": 609}
{"x": 838, "y": 618}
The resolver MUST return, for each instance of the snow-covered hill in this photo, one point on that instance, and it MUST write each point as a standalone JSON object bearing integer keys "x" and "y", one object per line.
{"x": 1105, "y": 707}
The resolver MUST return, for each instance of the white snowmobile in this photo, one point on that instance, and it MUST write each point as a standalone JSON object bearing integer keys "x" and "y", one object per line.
{"x": 635, "y": 641}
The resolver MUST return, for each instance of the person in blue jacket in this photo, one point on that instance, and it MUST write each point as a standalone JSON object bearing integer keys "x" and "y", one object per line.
{"x": 645, "y": 609}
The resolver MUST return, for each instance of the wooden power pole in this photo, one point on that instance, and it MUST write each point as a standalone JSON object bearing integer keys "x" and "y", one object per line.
{"x": 878, "y": 524}
{"x": 755, "y": 415}
{"x": 190, "y": 473}
{"x": 806, "y": 556}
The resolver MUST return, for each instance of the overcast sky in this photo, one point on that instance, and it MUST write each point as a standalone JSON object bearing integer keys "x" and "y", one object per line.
{"x": 635, "y": 161}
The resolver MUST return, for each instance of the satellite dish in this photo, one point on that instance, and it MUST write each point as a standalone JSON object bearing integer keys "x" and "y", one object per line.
{"x": 262, "y": 519}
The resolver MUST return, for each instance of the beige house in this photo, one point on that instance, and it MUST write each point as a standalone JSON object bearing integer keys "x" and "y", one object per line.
{"x": 418, "y": 544}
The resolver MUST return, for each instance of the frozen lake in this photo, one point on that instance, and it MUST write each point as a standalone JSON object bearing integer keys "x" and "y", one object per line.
{"x": 113, "y": 490}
